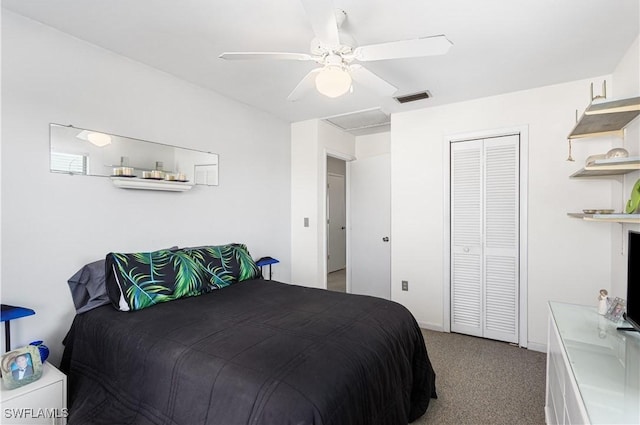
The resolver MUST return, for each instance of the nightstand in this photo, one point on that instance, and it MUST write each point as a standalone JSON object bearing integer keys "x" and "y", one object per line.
{"x": 41, "y": 402}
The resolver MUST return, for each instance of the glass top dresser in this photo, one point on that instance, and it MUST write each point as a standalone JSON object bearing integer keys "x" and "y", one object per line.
{"x": 593, "y": 369}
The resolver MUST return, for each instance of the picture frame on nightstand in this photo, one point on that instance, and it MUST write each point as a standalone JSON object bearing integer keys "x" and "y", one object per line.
{"x": 20, "y": 367}
{"x": 616, "y": 310}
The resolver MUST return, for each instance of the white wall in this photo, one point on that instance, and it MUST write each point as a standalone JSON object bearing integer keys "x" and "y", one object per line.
{"x": 311, "y": 141}
{"x": 305, "y": 242}
{"x": 52, "y": 224}
{"x": 373, "y": 144}
{"x": 569, "y": 260}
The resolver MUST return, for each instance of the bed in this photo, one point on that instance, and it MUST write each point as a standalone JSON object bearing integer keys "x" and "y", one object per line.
{"x": 255, "y": 352}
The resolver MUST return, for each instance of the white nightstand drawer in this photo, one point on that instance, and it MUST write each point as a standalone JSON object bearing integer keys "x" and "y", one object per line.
{"x": 41, "y": 402}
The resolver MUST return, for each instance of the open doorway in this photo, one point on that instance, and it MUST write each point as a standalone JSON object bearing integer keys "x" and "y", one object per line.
{"x": 336, "y": 225}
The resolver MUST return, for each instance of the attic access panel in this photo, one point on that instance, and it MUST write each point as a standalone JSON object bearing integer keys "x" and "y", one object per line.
{"x": 356, "y": 122}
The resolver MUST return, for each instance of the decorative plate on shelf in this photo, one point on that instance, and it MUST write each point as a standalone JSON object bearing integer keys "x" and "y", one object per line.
{"x": 593, "y": 211}
{"x": 617, "y": 153}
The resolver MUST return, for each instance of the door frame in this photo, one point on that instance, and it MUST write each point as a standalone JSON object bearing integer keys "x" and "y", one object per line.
{"x": 323, "y": 214}
{"x": 523, "y": 131}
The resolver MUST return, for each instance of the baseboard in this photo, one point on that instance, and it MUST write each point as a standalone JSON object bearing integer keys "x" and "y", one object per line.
{"x": 534, "y": 346}
{"x": 547, "y": 416}
{"x": 431, "y": 326}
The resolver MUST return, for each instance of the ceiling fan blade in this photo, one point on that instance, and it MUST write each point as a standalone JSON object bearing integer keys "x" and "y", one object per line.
{"x": 266, "y": 55}
{"x": 428, "y": 46}
{"x": 362, "y": 75}
{"x": 322, "y": 17}
{"x": 304, "y": 86}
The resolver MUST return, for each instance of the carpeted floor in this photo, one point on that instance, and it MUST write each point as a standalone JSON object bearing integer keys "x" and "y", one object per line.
{"x": 480, "y": 381}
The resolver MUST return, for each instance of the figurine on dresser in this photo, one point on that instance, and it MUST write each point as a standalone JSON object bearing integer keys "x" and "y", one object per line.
{"x": 603, "y": 302}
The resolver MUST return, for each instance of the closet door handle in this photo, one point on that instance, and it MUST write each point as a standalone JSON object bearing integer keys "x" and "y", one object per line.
{"x": 385, "y": 239}
{"x": 466, "y": 249}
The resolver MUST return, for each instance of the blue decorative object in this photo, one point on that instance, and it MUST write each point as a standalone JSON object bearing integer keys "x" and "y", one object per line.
{"x": 266, "y": 261}
{"x": 9, "y": 313}
{"x": 44, "y": 350}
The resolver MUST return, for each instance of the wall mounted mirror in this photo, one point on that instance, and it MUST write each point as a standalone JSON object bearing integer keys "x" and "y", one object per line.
{"x": 87, "y": 152}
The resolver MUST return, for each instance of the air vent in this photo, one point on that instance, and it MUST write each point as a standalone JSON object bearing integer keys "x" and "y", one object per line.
{"x": 413, "y": 97}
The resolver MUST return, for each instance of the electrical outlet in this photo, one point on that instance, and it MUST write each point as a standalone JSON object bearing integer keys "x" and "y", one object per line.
{"x": 405, "y": 285}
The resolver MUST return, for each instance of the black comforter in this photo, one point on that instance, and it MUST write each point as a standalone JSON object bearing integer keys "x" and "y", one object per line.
{"x": 257, "y": 352}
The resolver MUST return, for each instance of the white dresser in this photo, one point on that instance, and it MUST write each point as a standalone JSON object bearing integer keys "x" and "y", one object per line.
{"x": 593, "y": 370}
{"x": 41, "y": 402}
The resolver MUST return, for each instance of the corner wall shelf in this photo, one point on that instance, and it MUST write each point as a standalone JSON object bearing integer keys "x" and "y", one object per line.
{"x": 611, "y": 218}
{"x": 149, "y": 184}
{"x": 609, "y": 167}
{"x": 606, "y": 118}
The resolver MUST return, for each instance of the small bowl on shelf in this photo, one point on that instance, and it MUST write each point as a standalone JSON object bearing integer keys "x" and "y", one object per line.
{"x": 153, "y": 175}
{"x": 617, "y": 153}
{"x": 123, "y": 172}
{"x": 177, "y": 177}
{"x": 593, "y": 158}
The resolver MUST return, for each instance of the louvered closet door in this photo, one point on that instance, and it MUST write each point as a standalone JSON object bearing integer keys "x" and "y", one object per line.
{"x": 484, "y": 232}
{"x": 466, "y": 237}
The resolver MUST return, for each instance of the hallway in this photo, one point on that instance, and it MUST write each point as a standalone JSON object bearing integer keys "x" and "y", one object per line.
{"x": 337, "y": 281}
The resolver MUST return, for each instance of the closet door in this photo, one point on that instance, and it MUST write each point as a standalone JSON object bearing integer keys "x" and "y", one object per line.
{"x": 466, "y": 237}
{"x": 484, "y": 237}
{"x": 501, "y": 241}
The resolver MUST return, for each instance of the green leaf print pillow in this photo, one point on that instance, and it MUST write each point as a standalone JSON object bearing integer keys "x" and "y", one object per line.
{"x": 140, "y": 280}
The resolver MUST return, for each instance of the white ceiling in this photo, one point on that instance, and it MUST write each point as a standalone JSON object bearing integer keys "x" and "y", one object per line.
{"x": 499, "y": 46}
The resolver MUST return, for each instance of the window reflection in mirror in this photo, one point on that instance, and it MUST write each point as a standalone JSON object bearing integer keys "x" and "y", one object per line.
{"x": 93, "y": 153}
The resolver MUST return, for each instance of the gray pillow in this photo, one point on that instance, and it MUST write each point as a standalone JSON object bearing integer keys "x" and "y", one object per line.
{"x": 88, "y": 288}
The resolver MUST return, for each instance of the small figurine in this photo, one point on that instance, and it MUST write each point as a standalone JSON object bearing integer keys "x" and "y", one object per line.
{"x": 603, "y": 304}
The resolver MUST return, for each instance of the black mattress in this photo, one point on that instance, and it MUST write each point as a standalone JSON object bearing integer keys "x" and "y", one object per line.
{"x": 256, "y": 352}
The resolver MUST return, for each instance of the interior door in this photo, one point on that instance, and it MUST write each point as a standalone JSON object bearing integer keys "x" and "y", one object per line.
{"x": 466, "y": 237}
{"x": 336, "y": 223}
{"x": 370, "y": 226}
{"x": 485, "y": 237}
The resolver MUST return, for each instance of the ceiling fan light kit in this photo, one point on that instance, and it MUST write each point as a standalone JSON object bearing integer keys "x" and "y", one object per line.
{"x": 333, "y": 81}
{"x": 334, "y": 77}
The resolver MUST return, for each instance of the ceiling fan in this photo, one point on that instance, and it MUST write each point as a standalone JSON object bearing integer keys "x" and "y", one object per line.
{"x": 335, "y": 52}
